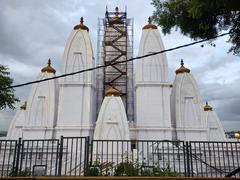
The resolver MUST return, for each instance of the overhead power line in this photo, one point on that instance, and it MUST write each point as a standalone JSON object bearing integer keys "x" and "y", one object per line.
{"x": 118, "y": 62}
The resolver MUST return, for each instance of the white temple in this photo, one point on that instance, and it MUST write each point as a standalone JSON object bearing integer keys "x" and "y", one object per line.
{"x": 112, "y": 123}
{"x": 163, "y": 111}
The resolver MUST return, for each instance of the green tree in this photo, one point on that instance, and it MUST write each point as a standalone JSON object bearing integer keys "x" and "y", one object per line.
{"x": 7, "y": 97}
{"x": 200, "y": 19}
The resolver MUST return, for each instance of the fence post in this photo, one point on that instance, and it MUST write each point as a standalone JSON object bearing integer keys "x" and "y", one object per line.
{"x": 17, "y": 155}
{"x": 60, "y": 156}
{"x": 187, "y": 159}
{"x": 91, "y": 152}
{"x": 191, "y": 159}
{"x": 86, "y": 154}
{"x": 188, "y": 162}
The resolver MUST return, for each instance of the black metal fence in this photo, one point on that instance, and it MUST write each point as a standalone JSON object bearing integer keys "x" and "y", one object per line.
{"x": 45, "y": 157}
{"x": 78, "y": 156}
{"x": 214, "y": 159}
{"x": 134, "y": 158}
{"x": 73, "y": 156}
{"x": 8, "y": 149}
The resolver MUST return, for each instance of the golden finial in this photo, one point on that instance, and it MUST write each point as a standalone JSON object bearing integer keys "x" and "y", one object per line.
{"x": 113, "y": 92}
{"x": 182, "y": 63}
{"x": 182, "y": 69}
{"x": 49, "y": 68}
{"x": 149, "y": 25}
{"x": 49, "y": 62}
{"x": 116, "y": 11}
{"x": 149, "y": 20}
{"x": 24, "y": 106}
{"x": 117, "y": 19}
{"x": 81, "y": 20}
{"x": 207, "y": 107}
{"x": 81, "y": 25}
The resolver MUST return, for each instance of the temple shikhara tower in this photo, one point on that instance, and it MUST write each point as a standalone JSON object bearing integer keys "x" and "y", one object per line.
{"x": 125, "y": 100}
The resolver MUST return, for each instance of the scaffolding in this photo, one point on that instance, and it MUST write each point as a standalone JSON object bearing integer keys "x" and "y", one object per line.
{"x": 115, "y": 43}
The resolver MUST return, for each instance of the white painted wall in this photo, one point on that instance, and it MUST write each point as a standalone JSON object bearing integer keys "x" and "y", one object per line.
{"x": 76, "y": 112}
{"x": 112, "y": 121}
{"x": 39, "y": 118}
{"x": 152, "y": 89}
{"x": 187, "y": 109}
{"x": 215, "y": 129}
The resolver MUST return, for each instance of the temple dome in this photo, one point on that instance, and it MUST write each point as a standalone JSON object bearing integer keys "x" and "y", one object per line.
{"x": 149, "y": 25}
{"x": 113, "y": 92}
{"x": 207, "y": 107}
{"x": 81, "y": 26}
{"x": 182, "y": 69}
{"x": 49, "y": 68}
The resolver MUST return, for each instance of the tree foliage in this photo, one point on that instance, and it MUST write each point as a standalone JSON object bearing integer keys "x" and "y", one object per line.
{"x": 200, "y": 19}
{"x": 7, "y": 97}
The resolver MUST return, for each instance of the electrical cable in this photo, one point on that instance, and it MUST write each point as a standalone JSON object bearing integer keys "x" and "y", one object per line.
{"x": 117, "y": 62}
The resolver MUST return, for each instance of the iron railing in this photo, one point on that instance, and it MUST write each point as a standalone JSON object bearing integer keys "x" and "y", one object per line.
{"x": 73, "y": 156}
{"x": 8, "y": 151}
{"x": 138, "y": 157}
{"x": 78, "y": 156}
{"x": 214, "y": 159}
{"x": 39, "y": 153}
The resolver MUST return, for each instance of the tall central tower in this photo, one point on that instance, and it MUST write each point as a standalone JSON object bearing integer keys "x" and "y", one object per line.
{"x": 115, "y": 45}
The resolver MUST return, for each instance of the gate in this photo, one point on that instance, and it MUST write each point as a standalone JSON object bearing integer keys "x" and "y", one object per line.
{"x": 73, "y": 156}
{"x": 39, "y": 157}
{"x": 44, "y": 157}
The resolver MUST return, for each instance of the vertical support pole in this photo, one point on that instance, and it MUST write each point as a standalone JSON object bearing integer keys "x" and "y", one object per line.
{"x": 17, "y": 155}
{"x": 91, "y": 152}
{"x": 13, "y": 171}
{"x": 57, "y": 159}
{"x": 188, "y": 160}
{"x": 86, "y": 155}
{"x": 191, "y": 159}
{"x": 22, "y": 154}
{"x": 60, "y": 156}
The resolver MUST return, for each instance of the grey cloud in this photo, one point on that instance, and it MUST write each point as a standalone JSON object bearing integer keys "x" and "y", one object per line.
{"x": 225, "y": 99}
{"x": 33, "y": 31}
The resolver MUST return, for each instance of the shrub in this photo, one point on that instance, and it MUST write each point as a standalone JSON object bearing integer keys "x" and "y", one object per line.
{"x": 23, "y": 173}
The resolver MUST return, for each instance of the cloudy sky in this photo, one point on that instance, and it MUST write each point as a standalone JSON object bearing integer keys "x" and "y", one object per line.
{"x": 32, "y": 31}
